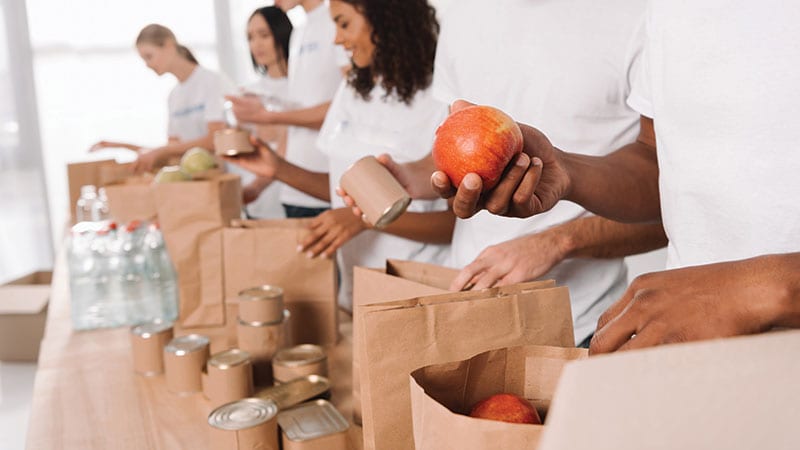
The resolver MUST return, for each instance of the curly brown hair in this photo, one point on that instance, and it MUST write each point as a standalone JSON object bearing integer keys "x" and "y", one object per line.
{"x": 404, "y": 33}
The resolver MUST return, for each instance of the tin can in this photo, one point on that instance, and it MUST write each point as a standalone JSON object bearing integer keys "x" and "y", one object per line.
{"x": 307, "y": 359}
{"x": 148, "y": 341}
{"x": 184, "y": 360}
{"x": 230, "y": 377}
{"x": 379, "y": 195}
{"x": 261, "y": 304}
{"x": 261, "y": 341}
{"x": 314, "y": 425}
{"x": 246, "y": 424}
{"x": 296, "y": 391}
{"x": 232, "y": 142}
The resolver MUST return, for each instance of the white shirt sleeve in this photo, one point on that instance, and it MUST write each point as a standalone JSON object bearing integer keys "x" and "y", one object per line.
{"x": 172, "y": 127}
{"x": 341, "y": 56}
{"x": 639, "y": 76}
{"x": 217, "y": 87}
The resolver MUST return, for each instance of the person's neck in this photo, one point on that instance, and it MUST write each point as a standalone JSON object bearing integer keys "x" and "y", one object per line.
{"x": 310, "y": 5}
{"x": 277, "y": 70}
{"x": 183, "y": 69}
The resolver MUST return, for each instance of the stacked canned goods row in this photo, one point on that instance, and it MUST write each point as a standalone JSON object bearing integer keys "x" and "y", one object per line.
{"x": 245, "y": 416}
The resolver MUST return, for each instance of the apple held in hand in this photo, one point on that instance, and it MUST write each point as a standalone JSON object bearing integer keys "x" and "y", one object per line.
{"x": 477, "y": 139}
{"x": 506, "y": 408}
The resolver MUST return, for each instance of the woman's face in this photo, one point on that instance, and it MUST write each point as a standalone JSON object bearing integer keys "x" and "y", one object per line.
{"x": 262, "y": 43}
{"x": 353, "y": 32}
{"x": 157, "y": 58}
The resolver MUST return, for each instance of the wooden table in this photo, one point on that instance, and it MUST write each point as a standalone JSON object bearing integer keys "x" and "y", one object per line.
{"x": 86, "y": 395}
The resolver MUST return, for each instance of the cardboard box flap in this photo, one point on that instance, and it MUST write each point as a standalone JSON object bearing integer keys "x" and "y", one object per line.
{"x": 38, "y": 277}
{"x": 740, "y": 393}
{"x": 23, "y": 299}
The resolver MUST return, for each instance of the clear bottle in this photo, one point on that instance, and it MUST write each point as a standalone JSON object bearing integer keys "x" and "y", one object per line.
{"x": 161, "y": 274}
{"x": 84, "y": 207}
{"x": 100, "y": 206}
{"x": 131, "y": 273}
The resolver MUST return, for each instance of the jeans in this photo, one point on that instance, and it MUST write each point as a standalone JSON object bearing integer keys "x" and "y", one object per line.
{"x": 298, "y": 212}
{"x": 585, "y": 343}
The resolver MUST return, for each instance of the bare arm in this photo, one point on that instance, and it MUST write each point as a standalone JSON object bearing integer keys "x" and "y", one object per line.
{"x": 531, "y": 256}
{"x": 151, "y": 159}
{"x": 249, "y": 109}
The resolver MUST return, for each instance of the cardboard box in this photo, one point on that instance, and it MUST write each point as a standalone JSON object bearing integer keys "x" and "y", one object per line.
{"x": 442, "y": 396}
{"x": 23, "y": 312}
{"x": 733, "y": 394}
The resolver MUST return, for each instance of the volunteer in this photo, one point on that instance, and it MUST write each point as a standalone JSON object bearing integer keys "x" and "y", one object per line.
{"x": 385, "y": 106}
{"x": 268, "y": 34}
{"x": 195, "y": 103}
{"x": 716, "y": 160}
{"x": 576, "y": 61}
{"x": 315, "y": 71}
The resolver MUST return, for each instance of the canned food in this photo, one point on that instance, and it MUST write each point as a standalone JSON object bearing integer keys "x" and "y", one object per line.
{"x": 376, "y": 191}
{"x": 232, "y": 142}
{"x": 148, "y": 341}
{"x": 293, "y": 362}
{"x": 314, "y": 425}
{"x": 296, "y": 391}
{"x": 261, "y": 341}
{"x": 261, "y": 304}
{"x": 230, "y": 377}
{"x": 184, "y": 359}
{"x": 245, "y": 424}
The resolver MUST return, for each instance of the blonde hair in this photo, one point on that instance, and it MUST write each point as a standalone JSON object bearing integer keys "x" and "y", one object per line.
{"x": 158, "y": 35}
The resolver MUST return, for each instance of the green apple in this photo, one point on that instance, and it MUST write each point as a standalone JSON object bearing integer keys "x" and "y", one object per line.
{"x": 171, "y": 174}
{"x": 197, "y": 160}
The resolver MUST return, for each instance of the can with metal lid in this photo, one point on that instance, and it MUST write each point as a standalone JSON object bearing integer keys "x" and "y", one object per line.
{"x": 184, "y": 359}
{"x": 148, "y": 341}
{"x": 230, "y": 377}
{"x": 245, "y": 424}
{"x": 261, "y": 341}
{"x": 296, "y": 391}
{"x": 261, "y": 304}
{"x": 314, "y": 425}
{"x": 306, "y": 359}
{"x": 375, "y": 190}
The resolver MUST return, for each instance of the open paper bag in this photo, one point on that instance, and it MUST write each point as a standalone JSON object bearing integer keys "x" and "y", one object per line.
{"x": 399, "y": 280}
{"x": 192, "y": 215}
{"x": 443, "y": 394}
{"x": 259, "y": 252}
{"x": 402, "y": 336}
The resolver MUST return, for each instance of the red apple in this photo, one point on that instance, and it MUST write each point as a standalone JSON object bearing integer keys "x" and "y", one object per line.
{"x": 477, "y": 139}
{"x": 506, "y": 408}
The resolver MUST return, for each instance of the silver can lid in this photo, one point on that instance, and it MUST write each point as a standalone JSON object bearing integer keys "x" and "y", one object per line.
{"x": 265, "y": 292}
{"x": 312, "y": 420}
{"x": 286, "y": 316}
{"x": 299, "y": 355}
{"x": 243, "y": 414}
{"x": 229, "y": 358}
{"x": 187, "y": 344}
{"x": 150, "y": 329}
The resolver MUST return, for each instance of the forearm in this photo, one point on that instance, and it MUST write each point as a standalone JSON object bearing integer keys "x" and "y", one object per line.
{"x": 598, "y": 237}
{"x": 312, "y": 183}
{"x": 622, "y": 186}
{"x": 429, "y": 227}
{"x": 307, "y": 117}
{"x": 782, "y": 275}
{"x": 177, "y": 149}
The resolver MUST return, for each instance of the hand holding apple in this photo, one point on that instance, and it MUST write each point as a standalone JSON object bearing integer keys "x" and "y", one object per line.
{"x": 476, "y": 139}
{"x": 506, "y": 408}
{"x": 533, "y": 182}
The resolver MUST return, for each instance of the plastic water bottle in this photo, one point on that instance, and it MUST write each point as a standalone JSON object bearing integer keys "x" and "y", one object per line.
{"x": 100, "y": 206}
{"x": 84, "y": 208}
{"x": 161, "y": 274}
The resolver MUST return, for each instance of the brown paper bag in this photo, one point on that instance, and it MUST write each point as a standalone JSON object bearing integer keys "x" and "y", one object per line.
{"x": 259, "y": 252}
{"x": 399, "y": 280}
{"x": 442, "y": 396}
{"x": 405, "y": 335}
{"x": 192, "y": 215}
{"x": 132, "y": 198}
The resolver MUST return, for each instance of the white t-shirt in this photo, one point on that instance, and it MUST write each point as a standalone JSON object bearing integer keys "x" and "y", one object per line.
{"x": 267, "y": 205}
{"x": 355, "y": 128}
{"x": 721, "y": 83}
{"x": 314, "y": 74}
{"x": 196, "y": 102}
{"x": 561, "y": 66}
